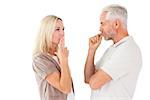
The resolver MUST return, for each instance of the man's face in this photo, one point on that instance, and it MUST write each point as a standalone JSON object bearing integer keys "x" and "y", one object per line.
{"x": 106, "y": 27}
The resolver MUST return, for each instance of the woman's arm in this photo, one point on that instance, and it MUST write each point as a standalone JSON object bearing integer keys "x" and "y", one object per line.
{"x": 61, "y": 80}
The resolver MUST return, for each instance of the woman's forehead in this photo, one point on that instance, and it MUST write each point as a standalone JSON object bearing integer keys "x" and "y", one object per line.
{"x": 59, "y": 23}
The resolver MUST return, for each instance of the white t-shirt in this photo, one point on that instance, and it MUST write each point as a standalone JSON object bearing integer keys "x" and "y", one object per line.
{"x": 122, "y": 61}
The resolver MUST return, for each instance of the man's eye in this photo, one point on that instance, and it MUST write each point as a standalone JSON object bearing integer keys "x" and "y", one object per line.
{"x": 63, "y": 29}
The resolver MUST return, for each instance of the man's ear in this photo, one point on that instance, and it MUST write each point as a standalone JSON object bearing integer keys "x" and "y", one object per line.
{"x": 116, "y": 24}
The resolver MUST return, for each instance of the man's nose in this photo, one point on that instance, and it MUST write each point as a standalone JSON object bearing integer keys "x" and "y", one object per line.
{"x": 100, "y": 29}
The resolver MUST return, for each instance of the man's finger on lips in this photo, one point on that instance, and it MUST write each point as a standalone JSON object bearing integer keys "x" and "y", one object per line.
{"x": 92, "y": 40}
{"x": 97, "y": 37}
{"x": 101, "y": 37}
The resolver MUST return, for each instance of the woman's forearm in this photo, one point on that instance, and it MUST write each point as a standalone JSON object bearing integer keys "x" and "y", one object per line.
{"x": 65, "y": 78}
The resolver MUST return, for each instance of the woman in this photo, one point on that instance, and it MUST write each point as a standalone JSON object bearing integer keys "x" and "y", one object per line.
{"x": 50, "y": 61}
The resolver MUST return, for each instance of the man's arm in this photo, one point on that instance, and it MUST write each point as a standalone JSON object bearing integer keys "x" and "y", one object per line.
{"x": 95, "y": 78}
{"x": 98, "y": 79}
{"x": 89, "y": 70}
{"x": 89, "y": 66}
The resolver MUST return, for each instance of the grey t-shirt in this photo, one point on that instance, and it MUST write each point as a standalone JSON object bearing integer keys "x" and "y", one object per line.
{"x": 44, "y": 64}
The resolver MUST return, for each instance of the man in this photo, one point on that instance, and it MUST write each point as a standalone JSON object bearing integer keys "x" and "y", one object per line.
{"x": 114, "y": 76}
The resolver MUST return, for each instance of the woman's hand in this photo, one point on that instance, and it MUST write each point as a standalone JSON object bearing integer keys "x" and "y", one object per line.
{"x": 62, "y": 53}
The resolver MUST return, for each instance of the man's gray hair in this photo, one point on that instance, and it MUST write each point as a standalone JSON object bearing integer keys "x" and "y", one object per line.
{"x": 116, "y": 12}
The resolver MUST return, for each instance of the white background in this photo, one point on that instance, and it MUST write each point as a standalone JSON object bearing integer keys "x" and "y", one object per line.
{"x": 19, "y": 22}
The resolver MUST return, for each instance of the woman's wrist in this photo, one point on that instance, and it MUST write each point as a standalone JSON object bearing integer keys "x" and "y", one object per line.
{"x": 64, "y": 63}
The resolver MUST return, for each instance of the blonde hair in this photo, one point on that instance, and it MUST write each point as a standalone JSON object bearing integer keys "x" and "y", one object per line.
{"x": 117, "y": 12}
{"x": 44, "y": 37}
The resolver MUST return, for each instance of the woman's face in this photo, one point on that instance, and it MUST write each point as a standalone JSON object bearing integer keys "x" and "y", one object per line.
{"x": 58, "y": 32}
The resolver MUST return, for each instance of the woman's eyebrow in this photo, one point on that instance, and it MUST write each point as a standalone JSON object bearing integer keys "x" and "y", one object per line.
{"x": 57, "y": 27}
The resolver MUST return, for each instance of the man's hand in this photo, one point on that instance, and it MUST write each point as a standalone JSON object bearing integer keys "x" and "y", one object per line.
{"x": 94, "y": 42}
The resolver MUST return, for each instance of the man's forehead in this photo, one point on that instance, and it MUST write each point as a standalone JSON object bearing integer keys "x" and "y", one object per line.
{"x": 103, "y": 16}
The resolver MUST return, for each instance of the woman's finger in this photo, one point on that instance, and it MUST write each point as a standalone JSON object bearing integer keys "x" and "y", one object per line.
{"x": 62, "y": 44}
{"x": 56, "y": 54}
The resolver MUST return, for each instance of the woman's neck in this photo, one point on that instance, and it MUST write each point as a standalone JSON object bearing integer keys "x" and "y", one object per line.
{"x": 53, "y": 49}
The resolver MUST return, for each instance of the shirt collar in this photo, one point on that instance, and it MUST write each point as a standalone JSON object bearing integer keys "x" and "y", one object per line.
{"x": 122, "y": 41}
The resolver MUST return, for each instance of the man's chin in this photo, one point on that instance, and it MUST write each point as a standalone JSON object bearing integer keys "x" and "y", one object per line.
{"x": 106, "y": 38}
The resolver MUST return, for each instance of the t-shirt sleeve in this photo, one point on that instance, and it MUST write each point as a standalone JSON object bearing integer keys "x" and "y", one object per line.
{"x": 118, "y": 66}
{"x": 99, "y": 63}
{"x": 42, "y": 66}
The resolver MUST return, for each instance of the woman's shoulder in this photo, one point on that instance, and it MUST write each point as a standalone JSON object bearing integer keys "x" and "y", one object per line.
{"x": 43, "y": 56}
{"x": 46, "y": 58}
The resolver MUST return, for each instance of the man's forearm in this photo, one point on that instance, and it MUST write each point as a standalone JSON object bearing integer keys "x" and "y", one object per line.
{"x": 89, "y": 66}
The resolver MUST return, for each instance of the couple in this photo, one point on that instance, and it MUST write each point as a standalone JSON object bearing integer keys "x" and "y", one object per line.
{"x": 113, "y": 77}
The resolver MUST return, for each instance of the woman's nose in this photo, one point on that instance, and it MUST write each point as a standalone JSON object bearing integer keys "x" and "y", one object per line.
{"x": 62, "y": 34}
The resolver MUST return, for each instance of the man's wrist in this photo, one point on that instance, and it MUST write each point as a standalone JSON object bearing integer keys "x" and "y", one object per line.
{"x": 91, "y": 51}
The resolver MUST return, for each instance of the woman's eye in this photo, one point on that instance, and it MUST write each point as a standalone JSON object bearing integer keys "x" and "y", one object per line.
{"x": 57, "y": 29}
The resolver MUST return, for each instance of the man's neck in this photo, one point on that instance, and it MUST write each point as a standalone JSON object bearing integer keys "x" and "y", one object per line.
{"x": 120, "y": 35}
